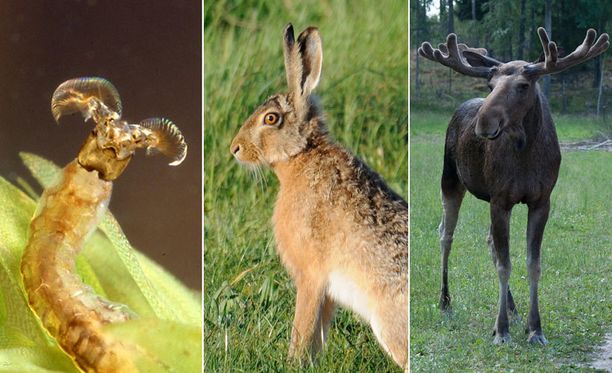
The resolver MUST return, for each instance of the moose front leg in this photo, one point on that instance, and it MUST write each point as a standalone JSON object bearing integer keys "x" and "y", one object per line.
{"x": 536, "y": 221}
{"x": 511, "y": 306}
{"x": 500, "y": 227}
{"x": 309, "y": 308}
{"x": 452, "y": 195}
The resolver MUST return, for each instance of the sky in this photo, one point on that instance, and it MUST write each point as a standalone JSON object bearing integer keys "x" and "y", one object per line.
{"x": 434, "y": 8}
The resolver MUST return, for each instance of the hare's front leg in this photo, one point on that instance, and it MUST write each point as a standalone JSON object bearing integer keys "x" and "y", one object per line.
{"x": 313, "y": 314}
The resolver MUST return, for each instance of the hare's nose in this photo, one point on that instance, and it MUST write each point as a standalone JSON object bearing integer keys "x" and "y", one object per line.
{"x": 235, "y": 149}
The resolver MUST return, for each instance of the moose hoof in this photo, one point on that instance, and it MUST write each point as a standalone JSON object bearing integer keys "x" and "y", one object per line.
{"x": 445, "y": 302}
{"x": 501, "y": 338}
{"x": 537, "y": 338}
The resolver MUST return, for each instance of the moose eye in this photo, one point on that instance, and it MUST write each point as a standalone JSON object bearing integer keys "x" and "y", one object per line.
{"x": 523, "y": 86}
{"x": 271, "y": 118}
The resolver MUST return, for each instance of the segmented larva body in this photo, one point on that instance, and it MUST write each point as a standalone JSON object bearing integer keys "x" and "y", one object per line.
{"x": 67, "y": 214}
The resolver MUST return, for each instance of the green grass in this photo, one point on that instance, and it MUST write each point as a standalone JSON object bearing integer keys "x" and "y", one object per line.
{"x": 575, "y": 289}
{"x": 248, "y": 297}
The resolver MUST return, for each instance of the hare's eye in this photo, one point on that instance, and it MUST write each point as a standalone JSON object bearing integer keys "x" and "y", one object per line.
{"x": 271, "y": 118}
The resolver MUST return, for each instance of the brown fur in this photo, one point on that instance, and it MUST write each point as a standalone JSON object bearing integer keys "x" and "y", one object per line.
{"x": 504, "y": 150}
{"x": 335, "y": 221}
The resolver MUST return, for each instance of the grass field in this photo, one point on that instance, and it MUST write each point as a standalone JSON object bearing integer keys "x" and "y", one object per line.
{"x": 575, "y": 289}
{"x": 248, "y": 297}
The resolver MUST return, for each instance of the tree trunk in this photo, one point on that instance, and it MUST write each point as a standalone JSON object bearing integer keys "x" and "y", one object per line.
{"x": 451, "y": 18}
{"x": 510, "y": 58}
{"x": 417, "y": 82}
{"x": 598, "y": 60}
{"x": 473, "y": 10}
{"x": 548, "y": 27}
{"x": 564, "y": 103}
{"x": 451, "y": 28}
{"x": 443, "y": 16}
{"x": 419, "y": 40}
{"x": 597, "y": 71}
{"x": 532, "y": 31}
{"x": 600, "y": 90}
{"x": 521, "y": 36}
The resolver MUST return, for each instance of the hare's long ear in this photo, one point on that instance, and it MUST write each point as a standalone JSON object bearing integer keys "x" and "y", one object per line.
{"x": 303, "y": 61}
{"x": 311, "y": 53}
{"x": 293, "y": 66}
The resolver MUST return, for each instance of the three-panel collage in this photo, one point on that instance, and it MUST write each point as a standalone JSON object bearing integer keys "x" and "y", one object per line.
{"x": 317, "y": 185}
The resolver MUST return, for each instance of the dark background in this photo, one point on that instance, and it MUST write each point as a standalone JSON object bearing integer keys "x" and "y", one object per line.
{"x": 151, "y": 52}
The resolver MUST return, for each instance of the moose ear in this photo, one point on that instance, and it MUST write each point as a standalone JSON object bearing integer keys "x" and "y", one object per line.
{"x": 311, "y": 56}
{"x": 476, "y": 59}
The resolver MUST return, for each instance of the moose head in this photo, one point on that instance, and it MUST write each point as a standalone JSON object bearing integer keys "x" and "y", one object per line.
{"x": 513, "y": 84}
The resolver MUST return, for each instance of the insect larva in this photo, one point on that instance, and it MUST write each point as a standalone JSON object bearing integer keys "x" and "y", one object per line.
{"x": 69, "y": 211}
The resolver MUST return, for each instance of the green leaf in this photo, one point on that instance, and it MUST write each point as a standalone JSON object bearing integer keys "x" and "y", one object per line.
{"x": 115, "y": 270}
{"x": 184, "y": 349}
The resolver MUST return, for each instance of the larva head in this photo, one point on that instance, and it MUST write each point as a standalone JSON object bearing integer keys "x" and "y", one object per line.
{"x": 113, "y": 141}
{"x": 281, "y": 126}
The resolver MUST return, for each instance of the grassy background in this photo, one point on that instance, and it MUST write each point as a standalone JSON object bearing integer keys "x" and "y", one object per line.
{"x": 575, "y": 288}
{"x": 248, "y": 297}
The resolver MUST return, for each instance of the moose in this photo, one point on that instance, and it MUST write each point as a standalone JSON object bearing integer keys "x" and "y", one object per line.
{"x": 504, "y": 150}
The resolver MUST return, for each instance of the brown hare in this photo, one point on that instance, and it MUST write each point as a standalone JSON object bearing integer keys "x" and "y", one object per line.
{"x": 341, "y": 232}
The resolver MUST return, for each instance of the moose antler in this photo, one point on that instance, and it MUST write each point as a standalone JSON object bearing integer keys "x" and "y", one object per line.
{"x": 585, "y": 51}
{"x": 463, "y": 48}
{"x": 451, "y": 54}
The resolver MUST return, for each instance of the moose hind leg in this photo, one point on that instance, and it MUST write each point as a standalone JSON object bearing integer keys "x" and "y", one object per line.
{"x": 500, "y": 227}
{"x": 536, "y": 222}
{"x": 516, "y": 317}
{"x": 452, "y": 195}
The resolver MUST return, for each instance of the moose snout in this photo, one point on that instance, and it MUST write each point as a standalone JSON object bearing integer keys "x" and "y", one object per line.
{"x": 489, "y": 124}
